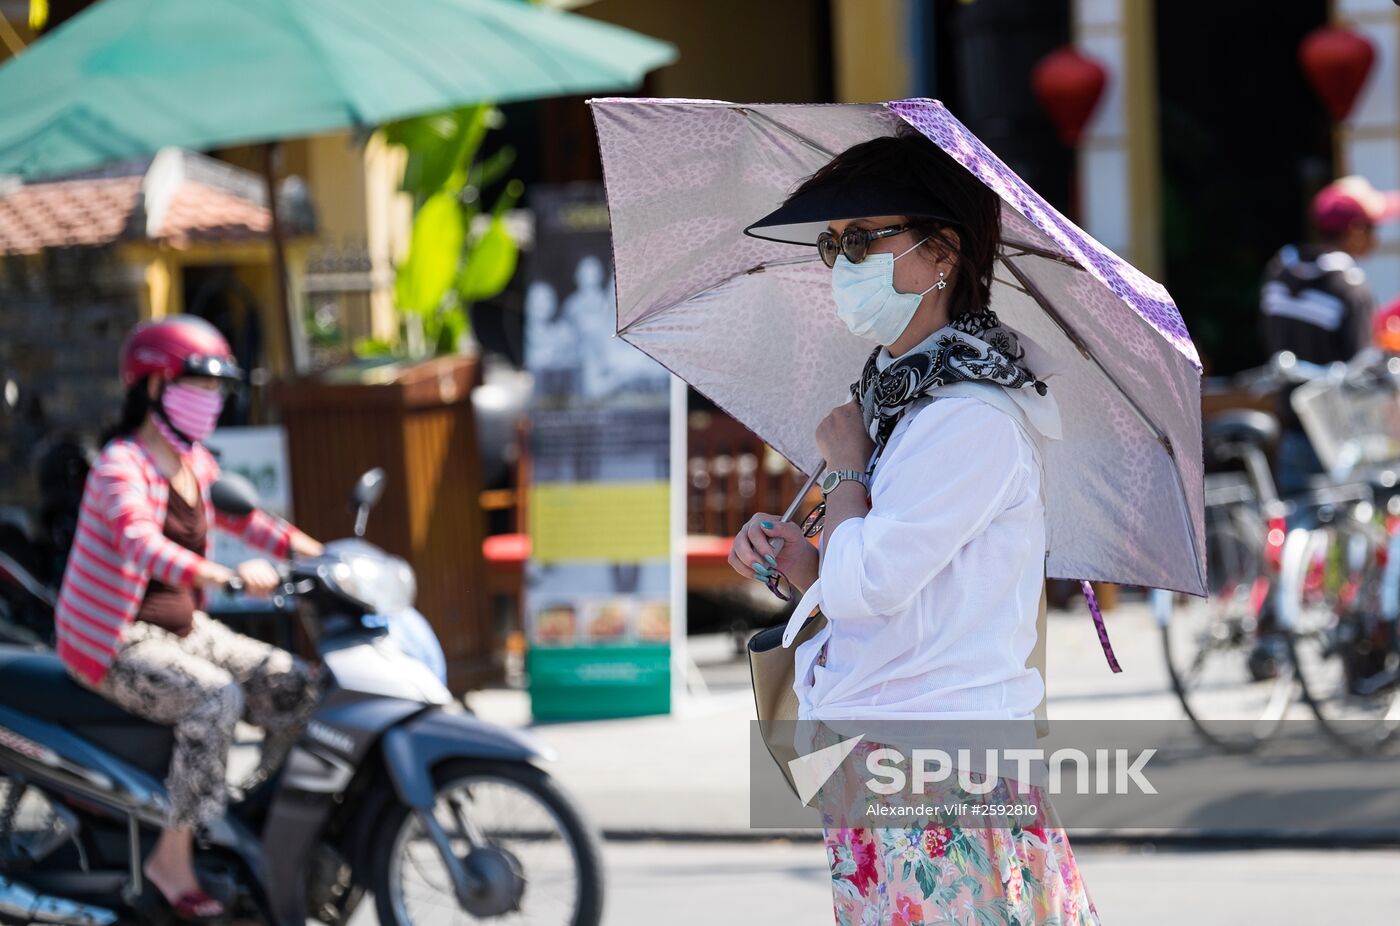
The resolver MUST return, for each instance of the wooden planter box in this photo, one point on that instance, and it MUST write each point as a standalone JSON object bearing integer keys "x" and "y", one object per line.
{"x": 416, "y": 422}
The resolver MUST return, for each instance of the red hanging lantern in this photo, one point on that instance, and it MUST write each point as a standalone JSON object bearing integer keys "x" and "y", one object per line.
{"x": 1337, "y": 62}
{"x": 1068, "y": 85}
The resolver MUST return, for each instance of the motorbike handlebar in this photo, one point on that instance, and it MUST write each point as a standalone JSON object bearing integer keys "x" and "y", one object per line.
{"x": 236, "y": 583}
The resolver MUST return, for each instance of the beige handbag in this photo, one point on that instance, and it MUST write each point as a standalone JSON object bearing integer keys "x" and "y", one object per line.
{"x": 772, "y": 671}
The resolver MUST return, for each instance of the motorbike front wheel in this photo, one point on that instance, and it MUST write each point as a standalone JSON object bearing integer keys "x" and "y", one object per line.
{"x": 536, "y": 861}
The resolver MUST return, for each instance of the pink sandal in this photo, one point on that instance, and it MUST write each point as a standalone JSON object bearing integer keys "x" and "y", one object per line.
{"x": 186, "y": 907}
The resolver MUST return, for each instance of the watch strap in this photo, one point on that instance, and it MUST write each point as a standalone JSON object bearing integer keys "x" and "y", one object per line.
{"x": 842, "y": 475}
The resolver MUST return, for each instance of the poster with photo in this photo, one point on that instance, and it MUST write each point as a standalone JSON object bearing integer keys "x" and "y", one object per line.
{"x": 598, "y": 583}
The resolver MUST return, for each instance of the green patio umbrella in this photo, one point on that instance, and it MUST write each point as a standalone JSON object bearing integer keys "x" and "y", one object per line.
{"x": 127, "y": 77}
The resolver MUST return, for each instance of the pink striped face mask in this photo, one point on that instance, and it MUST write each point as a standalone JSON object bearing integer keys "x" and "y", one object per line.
{"x": 189, "y": 413}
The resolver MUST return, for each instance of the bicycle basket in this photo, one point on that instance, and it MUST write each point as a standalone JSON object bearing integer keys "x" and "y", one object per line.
{"x": 1349, "y": 425}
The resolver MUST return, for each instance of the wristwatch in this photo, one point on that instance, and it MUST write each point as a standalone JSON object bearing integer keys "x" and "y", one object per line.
{"x": 833, "y": 479}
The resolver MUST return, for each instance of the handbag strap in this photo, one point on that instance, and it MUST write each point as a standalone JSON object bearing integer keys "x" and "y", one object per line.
{"x": 806, "y": 607}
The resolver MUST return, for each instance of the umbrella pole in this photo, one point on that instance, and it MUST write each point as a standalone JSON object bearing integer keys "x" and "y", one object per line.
{"x": 802, "y": 492}
{"x": 279, "y": 256}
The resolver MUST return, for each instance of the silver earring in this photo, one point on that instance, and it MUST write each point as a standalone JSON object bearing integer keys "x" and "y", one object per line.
{"x": 941, "y": 282}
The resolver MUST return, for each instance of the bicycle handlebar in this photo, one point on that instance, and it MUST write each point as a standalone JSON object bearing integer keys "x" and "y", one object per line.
{"x": 1368, "y": 367}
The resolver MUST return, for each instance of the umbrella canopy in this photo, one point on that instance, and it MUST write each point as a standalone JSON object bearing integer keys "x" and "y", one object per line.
{"x": 128, "y": 77}
{"x": 752, "y": 325}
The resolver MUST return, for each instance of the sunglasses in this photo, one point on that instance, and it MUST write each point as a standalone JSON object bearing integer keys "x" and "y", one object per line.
{"x": 854, "y": 242}
{"x": 811, "y": 526}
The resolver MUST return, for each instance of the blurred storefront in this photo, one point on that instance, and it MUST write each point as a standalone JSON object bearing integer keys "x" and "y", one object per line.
{"x": 84, "y": 258}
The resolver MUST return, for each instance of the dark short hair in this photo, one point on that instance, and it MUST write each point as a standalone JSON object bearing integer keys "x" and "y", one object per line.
{"x": 910, "y": 154}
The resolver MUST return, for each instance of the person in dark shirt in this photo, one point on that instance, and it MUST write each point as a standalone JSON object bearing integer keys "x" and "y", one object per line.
{"x": 1315, "y": 302}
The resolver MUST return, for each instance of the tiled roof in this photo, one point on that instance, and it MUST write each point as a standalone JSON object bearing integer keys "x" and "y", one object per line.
{"x": 91, "y": 211}
{"x": 71, "y": 213}
{"x": 202, "y": 213}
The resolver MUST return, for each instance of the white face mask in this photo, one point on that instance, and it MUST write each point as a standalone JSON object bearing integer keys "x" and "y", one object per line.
{"x": 866, "y": 299}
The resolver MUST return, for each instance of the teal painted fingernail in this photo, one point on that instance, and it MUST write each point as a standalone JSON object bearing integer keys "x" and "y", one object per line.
{"x": 767, "y": 524}
{"x": 759, "y": 567}
{"x": 772, "y": 559}
{"x": 759, "y": 578}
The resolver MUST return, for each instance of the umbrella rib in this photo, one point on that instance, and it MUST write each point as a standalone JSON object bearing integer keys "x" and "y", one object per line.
{"x": 756, "y": 268}
{"x": 1163, "y": 438}
{"x": 796, "y": 136}
{"x": 1007, "y": 283}
{"x": 1032, "y": 250}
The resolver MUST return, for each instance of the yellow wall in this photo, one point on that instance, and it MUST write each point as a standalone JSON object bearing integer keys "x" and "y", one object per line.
{"x": 1119, "y": 165}
{"x": 1144, "y": 162}
{"x": 355, "y": 188}
{"x": 870, "y": 44}
{"x": 744, "y": 51}
{"x": 14, "y": 34}
{"x": 161, "y": 270}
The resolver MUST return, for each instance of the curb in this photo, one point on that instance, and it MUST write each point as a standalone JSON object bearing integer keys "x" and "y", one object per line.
{"x": 1169, "y": 839}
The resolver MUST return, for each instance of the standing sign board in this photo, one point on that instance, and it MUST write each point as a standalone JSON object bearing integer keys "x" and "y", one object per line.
{"x": 259, "y": 454}
{"x": 598, "y": 582}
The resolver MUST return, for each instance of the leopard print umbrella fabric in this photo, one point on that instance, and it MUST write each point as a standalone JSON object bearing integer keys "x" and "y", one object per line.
{"x": 752, "y": 325}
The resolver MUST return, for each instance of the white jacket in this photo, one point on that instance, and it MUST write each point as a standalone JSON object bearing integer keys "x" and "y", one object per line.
{"x": 932, "y": 596}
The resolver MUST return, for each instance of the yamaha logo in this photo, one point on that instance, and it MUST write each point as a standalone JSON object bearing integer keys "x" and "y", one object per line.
{"x": 328, "y": 737}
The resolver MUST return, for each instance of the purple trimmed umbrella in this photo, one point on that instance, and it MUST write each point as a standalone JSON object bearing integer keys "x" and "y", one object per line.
{"x": 751, "y": 324}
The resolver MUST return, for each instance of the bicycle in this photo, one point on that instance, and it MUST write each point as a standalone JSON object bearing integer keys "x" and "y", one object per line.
{"x": 1228, "y": 655}
{"x": 1340, "y": 579}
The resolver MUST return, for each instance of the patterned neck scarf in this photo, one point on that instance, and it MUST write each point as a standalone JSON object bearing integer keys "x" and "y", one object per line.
{"x": 975, "y": 346}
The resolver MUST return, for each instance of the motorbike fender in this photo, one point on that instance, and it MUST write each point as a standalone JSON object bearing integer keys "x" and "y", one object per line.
{"x": 413, "y": 749}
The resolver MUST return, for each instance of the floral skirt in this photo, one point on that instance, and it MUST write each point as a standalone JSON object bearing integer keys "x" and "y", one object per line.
{"x": 930, "y": 875}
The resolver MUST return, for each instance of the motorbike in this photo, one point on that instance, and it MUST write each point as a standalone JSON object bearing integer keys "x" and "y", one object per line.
{"x": 34, "y": 551}
{"x": 26, "y": 605}
{"x": 393, "y": 787}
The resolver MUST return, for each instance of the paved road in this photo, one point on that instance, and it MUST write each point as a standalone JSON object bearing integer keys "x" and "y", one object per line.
{"x": 785, "y": 884}
{"x": 770, "y": 883}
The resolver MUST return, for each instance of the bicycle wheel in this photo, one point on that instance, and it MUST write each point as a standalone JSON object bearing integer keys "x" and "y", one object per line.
{"x": 1210, "y": 643}
{"x": 1347, "y": 655}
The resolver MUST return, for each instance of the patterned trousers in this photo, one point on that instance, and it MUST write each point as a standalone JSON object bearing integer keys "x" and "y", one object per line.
{"x": 202, "y": 684}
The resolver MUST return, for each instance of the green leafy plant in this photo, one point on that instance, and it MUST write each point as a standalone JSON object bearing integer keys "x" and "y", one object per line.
{"x": 458, "y": 254}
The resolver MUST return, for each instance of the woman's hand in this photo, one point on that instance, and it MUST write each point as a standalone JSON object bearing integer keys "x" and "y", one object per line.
{"x": 843, "y": 440}
{"x": 212, "y": 573}
{"x": 752, "y": 554}
{"x": 303, "y": 545}
{"x": 259, "y": 577}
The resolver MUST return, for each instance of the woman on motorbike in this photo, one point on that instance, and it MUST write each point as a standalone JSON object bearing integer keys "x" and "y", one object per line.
{"x": 128, "y": 620}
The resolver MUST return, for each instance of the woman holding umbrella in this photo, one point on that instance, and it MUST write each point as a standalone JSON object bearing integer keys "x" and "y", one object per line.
{"x": 933, "y": 544}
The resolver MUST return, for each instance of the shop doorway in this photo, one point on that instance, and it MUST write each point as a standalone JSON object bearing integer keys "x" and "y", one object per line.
{"x": 1244, "y": 145}
{"x": 219, "y": 295}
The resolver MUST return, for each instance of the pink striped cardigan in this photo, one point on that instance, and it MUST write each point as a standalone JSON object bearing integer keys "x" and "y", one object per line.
{"x": 121, "y": 544}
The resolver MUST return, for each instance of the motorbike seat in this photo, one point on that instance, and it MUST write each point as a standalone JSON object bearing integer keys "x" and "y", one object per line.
{"x": 37, "y": 684}
{"x": 1243, "y": 425}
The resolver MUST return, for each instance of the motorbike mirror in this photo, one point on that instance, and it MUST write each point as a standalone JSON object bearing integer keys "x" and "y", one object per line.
{"x": 367, "y": 492}
{"x": 234, "y": 495}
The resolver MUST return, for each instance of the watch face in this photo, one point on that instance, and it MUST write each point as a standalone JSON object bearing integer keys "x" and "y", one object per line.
{"x": 830, "y": 481}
